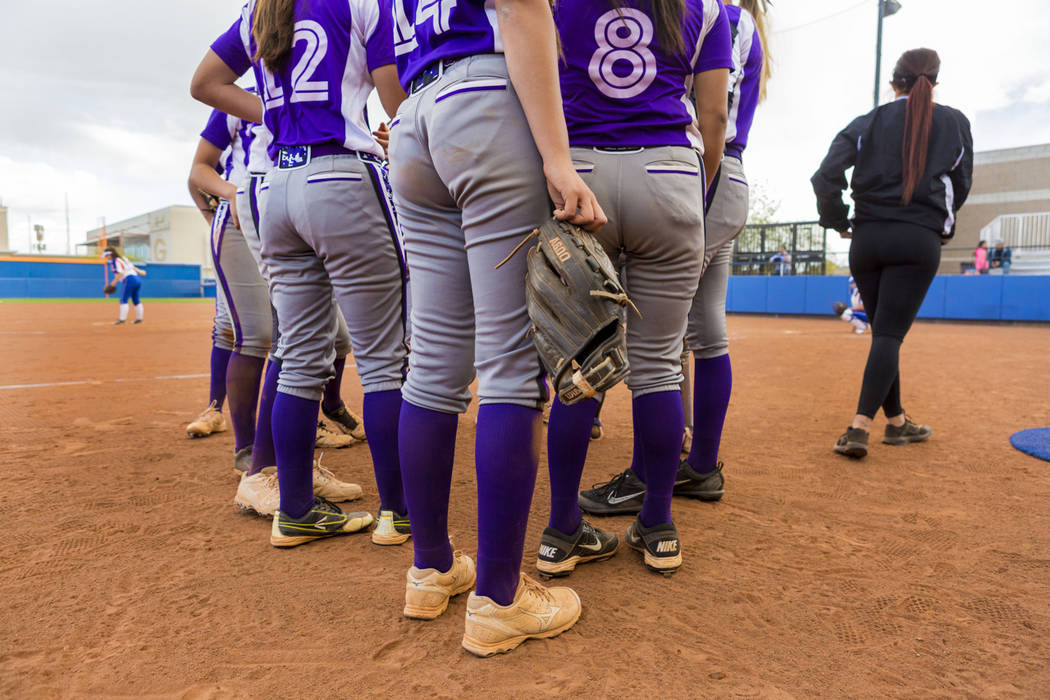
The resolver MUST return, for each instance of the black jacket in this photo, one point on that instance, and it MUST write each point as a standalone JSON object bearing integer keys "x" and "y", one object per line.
{"x": 872, "y": 146}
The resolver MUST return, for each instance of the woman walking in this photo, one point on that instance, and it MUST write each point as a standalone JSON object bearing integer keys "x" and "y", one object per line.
{"x": 913, "y": 166}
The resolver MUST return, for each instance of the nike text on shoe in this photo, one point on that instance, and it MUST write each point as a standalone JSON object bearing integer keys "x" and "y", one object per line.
{"x": 259, "y": 493}
{"x": 560, "y": 553}
{"x": 323, "y": 520}
{"x": 427, "y": 591}
{"x": 706, "y": 487}
{"x": 329, "y": 439}
{"x": 209, "y": 421}
{"x": 907, "y": 433}
{"x": 327, "y": 486}
{"x": 659, "y": 544}
{"x": 535, "y": 613}
{"x": 853, "y": 443}
{"x": 346, "y": 421}
{"x": 391, "y": 528}
{"x": 621, "y": 495}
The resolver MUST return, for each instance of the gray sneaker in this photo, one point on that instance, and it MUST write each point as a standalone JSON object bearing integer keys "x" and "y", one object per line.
{"x": 853, "y": 443}
{"x": 909, "y": 432}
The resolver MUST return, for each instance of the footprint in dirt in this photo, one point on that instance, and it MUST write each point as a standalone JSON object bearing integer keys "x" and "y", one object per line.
{"x": 111, "y": 424}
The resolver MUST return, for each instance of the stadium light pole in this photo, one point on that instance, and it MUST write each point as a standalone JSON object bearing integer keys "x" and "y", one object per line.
{"x": 886, "y": 8}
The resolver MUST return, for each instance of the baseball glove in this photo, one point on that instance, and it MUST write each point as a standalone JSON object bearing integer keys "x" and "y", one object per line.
{"x": 212, "y": 202}
{"x": 109, "y": 288}
{"x": 577, "y": 306}
{"x": 839, "y": 307}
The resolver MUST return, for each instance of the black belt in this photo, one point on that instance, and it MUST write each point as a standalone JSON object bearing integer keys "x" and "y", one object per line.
{"x": 291, "y": 157}
{"x": 431, "y": 73}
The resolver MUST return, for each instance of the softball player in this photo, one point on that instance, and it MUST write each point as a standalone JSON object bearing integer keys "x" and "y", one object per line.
{"x": 912, "y": 165}
{"x": 326, "y": 225}
{"x": 699, "y": 475}
{"x": 122, "y": 270}
{"x": 853, "y": 313}
{"x": 629, "y": 65}
{"x": 468, "y": 152}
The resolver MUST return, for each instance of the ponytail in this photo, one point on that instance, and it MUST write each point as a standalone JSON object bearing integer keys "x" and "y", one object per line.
{"x": 668, "y": 16}
{"x": 916, "y": 74}
{"x": 757, "y": 9}
{"x": 273, "y": 30}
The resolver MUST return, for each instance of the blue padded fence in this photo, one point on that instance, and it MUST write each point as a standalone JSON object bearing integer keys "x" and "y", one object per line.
{"x": 963, "y": 297}
{"x": 58, "y": 278}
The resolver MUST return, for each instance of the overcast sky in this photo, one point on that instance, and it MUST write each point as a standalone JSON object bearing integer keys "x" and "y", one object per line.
{"x": 97, "y": 102}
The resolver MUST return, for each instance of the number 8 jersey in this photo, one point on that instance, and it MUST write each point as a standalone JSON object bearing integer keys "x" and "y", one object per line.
{"x": 619, "y": 85}
{"x": 320, "y": 95}
{"x": 426, "y": 31}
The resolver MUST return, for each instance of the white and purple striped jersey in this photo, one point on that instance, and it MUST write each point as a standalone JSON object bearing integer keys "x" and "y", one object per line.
{"x": 745, "y": 80}
{"x": 121, "y": 266}
{"x": 426, "y": 31}
{"x": 320, "y": 96}
{"x": 234, "y": 137}
{"x": 620, "y": 87}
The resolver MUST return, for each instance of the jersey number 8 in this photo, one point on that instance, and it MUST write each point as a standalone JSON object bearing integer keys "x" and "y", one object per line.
{"x": 623, "y": 35}
{"x": 304, "y": 89}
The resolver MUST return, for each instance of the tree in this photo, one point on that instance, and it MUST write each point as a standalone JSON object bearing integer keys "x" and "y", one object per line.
{"x": 762, "y": 208}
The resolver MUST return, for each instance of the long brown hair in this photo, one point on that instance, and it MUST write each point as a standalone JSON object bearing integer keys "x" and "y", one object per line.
{"x": 915, "y": 74}
{"x": 668, "y": 15}
{"x": 758, "y": 9}
{"x": 273, "y": 30}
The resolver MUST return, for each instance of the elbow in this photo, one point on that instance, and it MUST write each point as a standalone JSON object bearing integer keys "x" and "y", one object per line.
{"x": 199, "y": 87}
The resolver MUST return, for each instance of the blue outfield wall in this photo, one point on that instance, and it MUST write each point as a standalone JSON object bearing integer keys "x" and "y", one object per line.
{"x": 23, "y": 277}
{"x": 963, "y": 297}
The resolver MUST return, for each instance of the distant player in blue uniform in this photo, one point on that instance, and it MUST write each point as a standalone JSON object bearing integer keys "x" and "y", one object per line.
{"x": 853, "y": 313}
{"x": 122, "y": 270}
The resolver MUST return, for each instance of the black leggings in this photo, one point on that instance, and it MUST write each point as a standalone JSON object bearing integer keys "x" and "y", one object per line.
{"x": 893, "y": 264}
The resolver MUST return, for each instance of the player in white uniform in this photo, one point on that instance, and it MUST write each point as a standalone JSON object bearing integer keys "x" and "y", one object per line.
{"x": 123, "y": 271}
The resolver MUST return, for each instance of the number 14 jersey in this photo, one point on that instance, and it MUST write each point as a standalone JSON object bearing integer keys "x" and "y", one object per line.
{"x": 620, "y": 86}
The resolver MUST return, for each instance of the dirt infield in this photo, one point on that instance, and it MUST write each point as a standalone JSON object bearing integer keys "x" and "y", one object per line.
{"x": 922, "y": 571}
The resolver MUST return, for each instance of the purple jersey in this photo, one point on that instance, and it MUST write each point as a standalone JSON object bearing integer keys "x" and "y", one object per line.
{"x": 234, "y": 137}
{"x": 746, "y": 78}
{"x": 428, "y": 30}
{"x": 619, "y": 86}
{"x": 320, "y": 95}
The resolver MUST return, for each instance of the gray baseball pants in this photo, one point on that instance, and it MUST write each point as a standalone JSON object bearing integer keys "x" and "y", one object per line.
{"x": 243, "y": 287}
{"x": 657, "y": 221}
{"x": 467, "y": 190}
{"x": 325, "y": 230}
{"x": 707, "y": 336}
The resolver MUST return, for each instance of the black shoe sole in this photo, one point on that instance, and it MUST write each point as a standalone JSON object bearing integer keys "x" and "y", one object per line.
{"x": 853, "y": 450}
{"x": 903, "y": 440}
{"x": 596, "y": 508}
{"x": 706, "y": 496}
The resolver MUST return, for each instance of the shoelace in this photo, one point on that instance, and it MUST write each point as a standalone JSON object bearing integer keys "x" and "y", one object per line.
{"x": 322, "y": 472}
{"x": 322, "y": 503}
{"x": 210, "y": 409}
{"x": 536, "y": 589}
{"x": 612, "y": 484}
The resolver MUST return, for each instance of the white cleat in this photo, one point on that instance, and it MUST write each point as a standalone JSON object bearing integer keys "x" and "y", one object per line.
{"x": 259, "y": 493}
{"x": 326, "y": 485}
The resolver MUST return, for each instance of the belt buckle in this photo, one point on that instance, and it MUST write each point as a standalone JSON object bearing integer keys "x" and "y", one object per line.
{"x": 292, "y": 157}
{"x": 429, "y": 75}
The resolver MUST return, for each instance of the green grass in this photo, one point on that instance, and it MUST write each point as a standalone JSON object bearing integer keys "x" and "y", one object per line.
{"x": 148, "y": 300}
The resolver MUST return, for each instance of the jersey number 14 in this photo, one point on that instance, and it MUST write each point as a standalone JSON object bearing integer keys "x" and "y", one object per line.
{"x": 438, "y": 12}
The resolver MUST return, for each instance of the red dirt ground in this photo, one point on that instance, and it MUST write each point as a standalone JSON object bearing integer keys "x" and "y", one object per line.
{"x": 922, "y": 571}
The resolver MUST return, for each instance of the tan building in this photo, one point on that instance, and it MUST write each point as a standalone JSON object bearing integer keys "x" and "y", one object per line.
{"x": 4, "y": 242}
{"x": 175, "y": 234}
{"x": 1007, "y": 181}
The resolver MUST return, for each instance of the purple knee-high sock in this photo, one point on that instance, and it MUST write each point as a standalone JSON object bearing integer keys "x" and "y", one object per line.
{"x": 219, "y": 359}
{"x": 427, "y": 448}
{"x": 262, "y": 449}
{"x": 714, "y": 383}
{"x": 506, "y": 453}
{"x": 382, "y": 411}
{"x": 638, "y": 455}
{"x": 242, "y": 390}
{"x": 658, "y": 420}
{"x": 568, "y": 436}
{"x": 333, "y": 398}
{"x": 294, "y": 434}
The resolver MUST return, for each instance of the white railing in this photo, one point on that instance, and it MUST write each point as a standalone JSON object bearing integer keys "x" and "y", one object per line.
{"x": 1018, "y": 230}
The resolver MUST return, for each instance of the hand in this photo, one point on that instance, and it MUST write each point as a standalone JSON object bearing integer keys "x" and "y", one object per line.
{"x": 382, "y": 135}
{"x": 573, "y": 200}
{"x": 848, "y": 233}
{"x": 233, "y": 212}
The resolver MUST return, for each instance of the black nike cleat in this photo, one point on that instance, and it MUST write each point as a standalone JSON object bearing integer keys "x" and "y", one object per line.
{"x": 659, "y": 545}
{"x": 347, "y": 422}
{"x": 621, "y": 495}
{"x": 325, "y": 519}
{"x": 706, "y": 487}
{"x": 560, "y": 553}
